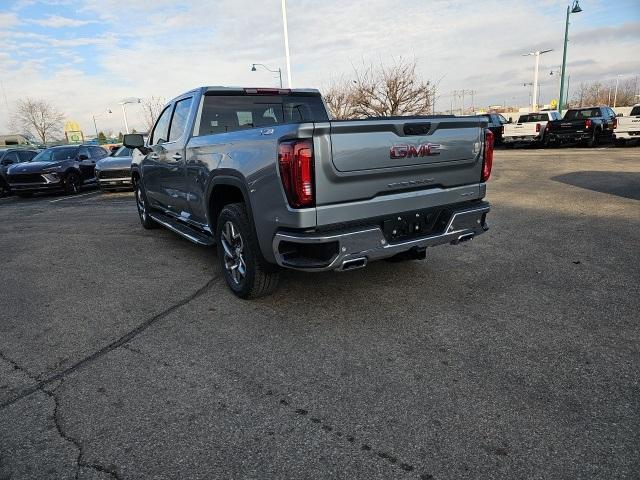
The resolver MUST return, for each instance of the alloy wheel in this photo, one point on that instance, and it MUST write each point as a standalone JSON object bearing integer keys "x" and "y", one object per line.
{"x": 142, "y": 208}
{"x": 233, "y": 247}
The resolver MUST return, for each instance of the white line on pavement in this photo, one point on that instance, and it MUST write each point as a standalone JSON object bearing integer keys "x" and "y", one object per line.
{"x": 71, "y": 197}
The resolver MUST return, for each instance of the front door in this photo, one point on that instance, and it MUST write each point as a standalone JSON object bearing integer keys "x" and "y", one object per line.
{"x": 172, "y": 174}
{"x": 152, "y": 164}
{"x": 87, "y": 164}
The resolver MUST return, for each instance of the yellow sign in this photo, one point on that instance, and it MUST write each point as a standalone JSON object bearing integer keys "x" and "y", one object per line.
{"x": 73, "y": 132}
{"x": 553, "y": 103}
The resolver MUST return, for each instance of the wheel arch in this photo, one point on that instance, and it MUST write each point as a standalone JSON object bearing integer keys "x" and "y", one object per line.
{"x": 225, "y": 189}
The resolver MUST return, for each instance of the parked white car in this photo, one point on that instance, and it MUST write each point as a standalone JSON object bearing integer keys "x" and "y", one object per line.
{"x": 627, "y": 128}
{"x": 530, "y": 128}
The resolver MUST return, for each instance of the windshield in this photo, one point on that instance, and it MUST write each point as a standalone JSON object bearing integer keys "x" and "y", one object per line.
{"x": 582, "y": 113}
{"x": 122, "y": 152}
{"x": 55, "y": 154}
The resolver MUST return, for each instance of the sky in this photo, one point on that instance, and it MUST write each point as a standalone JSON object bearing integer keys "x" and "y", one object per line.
{"x": 85, "y": 56}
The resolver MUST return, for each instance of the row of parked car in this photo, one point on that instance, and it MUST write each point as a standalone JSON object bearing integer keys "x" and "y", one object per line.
{"x": 587, "y": 125}
{"x": 25, "y": 171}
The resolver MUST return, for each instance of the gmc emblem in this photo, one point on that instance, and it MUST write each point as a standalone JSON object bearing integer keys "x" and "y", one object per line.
{"x": 408, "y": 151}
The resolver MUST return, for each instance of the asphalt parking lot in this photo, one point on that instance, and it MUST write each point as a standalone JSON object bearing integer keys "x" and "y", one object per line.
{"x": 123, "y": 354}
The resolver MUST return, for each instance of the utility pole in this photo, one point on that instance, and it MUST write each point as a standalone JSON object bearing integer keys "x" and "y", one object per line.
{"x": 536, "y": 55}
{"x": 615, "y": 97}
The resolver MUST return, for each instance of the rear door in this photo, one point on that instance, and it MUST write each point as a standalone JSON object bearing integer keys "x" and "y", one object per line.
{"x": 374, "y": 157}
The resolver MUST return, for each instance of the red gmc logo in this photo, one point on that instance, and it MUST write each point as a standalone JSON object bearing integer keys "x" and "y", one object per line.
{"x": 408, "y": 151}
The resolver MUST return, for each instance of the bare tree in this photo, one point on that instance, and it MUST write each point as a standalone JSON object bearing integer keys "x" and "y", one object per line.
{"x": 38, "y": 118}
{"x": 392, "y": 90}
{"x": 151, "y": 109}
{"x": 378, "y": 91}
{"x": 340, "y": 99}
{"x": 599, "y": 93}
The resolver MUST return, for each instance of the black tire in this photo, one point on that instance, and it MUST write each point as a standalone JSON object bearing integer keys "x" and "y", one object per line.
{"x": 24, "y": 194}
{"x": 143, "y": 207}
{"x": 72, "y": 183}
{"x": 238, "y": 250}
{"x": 4, "y": 189}
{"x": 594, "y": 140}
{"x": 620, "y": 142}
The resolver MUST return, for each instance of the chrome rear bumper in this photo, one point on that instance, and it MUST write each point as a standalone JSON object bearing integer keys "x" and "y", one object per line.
{"x": 355, "y": 248}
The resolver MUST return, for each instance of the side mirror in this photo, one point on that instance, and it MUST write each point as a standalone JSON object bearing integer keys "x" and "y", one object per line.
{"x": 510, "y": 120}
{"x": 133, "y": 140}
{"x": 619, "y": 115}
{"x": 83, "y": 157}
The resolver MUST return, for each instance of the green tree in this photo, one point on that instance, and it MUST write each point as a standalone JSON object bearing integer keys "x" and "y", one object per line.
{"x": 134, "y": 131}
{"x": 120, "y": 137}
{"x": 102, "y": 138}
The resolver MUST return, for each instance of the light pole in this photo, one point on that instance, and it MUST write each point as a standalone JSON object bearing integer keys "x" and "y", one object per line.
{"x": 124, "y": 112}
{"x": 536, "y": 54}
{"x": 286, "y": 41}
{"x": 278, "y": 71}
{"x": 575, "y": 8}
{"x": 615, "y": 96}
{"x": 95, "y": 125}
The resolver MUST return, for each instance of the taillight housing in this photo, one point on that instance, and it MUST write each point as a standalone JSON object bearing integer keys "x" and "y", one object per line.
{"x": 487, "y": 162}
{"x": 537, "y": 127}
{"x": 587, "y": 123}
{"x": 295, "y": 159}
{"x": 502, "y": 130}
{"x": 615, "y": 123}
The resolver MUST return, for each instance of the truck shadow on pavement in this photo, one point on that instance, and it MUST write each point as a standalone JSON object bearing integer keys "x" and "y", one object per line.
{"x": 622, "y": 184}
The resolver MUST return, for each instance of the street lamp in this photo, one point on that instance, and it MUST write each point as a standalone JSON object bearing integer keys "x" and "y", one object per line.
{"x": 124, "y": 112}
{"x": 536, "y": 54}
{"x": 95, "y": 125}
{"x": 575, "y": 8}
{"x": 278, "y": 71}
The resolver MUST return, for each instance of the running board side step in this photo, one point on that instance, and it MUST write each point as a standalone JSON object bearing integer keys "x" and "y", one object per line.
{"x": 182, "y": 229}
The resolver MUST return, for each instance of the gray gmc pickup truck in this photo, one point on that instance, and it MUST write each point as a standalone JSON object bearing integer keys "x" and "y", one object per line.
{"x": 269, "y": 178}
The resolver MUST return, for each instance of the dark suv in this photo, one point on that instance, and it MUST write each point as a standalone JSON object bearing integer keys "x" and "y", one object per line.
{"x": 496, "y": 125}
{"x": 66, "y": 167}
{"x": 8, "y": 157}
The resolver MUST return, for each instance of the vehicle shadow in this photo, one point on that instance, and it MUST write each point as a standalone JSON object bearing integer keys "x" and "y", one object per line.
{"x": 622, "y": 184}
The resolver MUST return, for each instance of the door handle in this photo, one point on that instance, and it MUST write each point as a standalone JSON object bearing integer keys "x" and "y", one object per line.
{"x": 176, "y": 156}
{"x": 154, "y": 156}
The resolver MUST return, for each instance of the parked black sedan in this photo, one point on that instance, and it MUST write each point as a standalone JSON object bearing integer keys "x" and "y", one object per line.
{"x": 11, "y": 156}
{"x": 66, "y": 168}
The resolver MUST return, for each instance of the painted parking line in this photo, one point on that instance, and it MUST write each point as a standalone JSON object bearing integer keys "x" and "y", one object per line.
{"x": 72, "y": 197}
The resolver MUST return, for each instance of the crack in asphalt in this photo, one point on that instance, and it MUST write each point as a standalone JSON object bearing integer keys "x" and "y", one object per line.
{"x": 41, "y": 386}
{"x": 80, "y": 463}
{"x": 127, "y": 337}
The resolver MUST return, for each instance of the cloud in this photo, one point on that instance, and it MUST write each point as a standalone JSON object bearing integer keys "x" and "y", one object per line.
{"x": 8, "y": 20}
{"x": 172, "y": 47}
{"x": 57, "y": 21}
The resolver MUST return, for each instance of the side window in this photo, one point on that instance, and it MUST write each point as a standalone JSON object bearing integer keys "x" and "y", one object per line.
{"x": 612, "y": 113}
{"x": 160, "y": 132}
{"x": 98, "y": 152}
{"x": 179, "y": 120}
{"x": 26, "y": 155}
{"x": 83, "y": 152}
{"x": 10, "y": 157}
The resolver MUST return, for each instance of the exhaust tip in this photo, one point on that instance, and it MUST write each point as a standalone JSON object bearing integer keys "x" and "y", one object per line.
{"x": 465, "y": 237}
{"x": 354, "y": 263}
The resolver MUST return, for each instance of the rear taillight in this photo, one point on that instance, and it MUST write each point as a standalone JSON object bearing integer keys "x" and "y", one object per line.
{"x": 537, "y": 127}
{"x": 587, "y": 123}
{"x": 502, "y": 130}
{"x": 295, "y": 159}
{"x": 487, "y": 163}
{"x": 615, "y": 123}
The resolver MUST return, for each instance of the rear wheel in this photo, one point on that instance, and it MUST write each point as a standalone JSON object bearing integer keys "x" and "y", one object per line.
{"x": 142, "y": 205}
{"x": 72, "y": 183}
{"x": 594, "y": 140}
{"x": 246, "y": 272}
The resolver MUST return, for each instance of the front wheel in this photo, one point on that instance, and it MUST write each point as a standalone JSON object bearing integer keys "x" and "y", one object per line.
{"x": 72, "y": 183}
{"x": 143, "y": 207}
{"x": 246, "y": 272}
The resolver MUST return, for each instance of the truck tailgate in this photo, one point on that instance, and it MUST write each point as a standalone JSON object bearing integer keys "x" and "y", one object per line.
{"x": 362, "y": 159}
